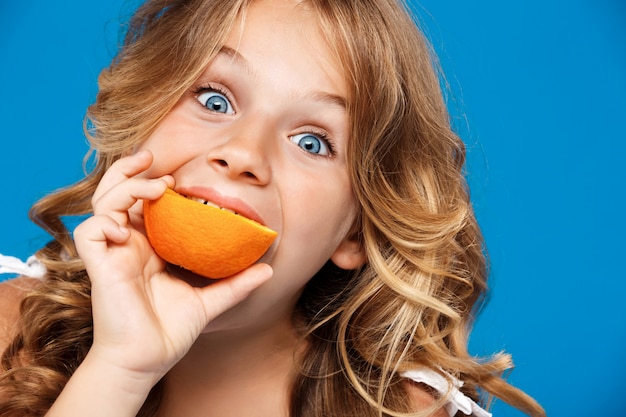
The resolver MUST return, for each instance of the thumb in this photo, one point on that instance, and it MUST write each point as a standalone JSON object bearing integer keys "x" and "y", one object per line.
{"x": 228, "y": 292}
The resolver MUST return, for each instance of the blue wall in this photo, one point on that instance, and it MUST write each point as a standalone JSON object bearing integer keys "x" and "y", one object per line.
{"x": 542, "y": 85}
{"x": 538, "y": 92}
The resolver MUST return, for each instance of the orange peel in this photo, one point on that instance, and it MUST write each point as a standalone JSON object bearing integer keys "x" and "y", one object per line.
{"x": 206, "y": 240}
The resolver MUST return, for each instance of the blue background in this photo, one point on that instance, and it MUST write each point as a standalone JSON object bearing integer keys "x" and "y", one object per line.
{"x": 537, "y": 91}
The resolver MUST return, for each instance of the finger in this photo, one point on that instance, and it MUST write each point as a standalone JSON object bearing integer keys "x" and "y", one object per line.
{"x": 135, "y": 213}
{"x": 117, "y": 201}
{"x": 227, "y": 292}
{"x": 105, "y": 246}
{"x": 123, "y": 169}
{"x": 97, "y": 232}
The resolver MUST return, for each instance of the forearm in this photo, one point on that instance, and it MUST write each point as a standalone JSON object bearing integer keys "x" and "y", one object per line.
{"x": 98, "y": 389}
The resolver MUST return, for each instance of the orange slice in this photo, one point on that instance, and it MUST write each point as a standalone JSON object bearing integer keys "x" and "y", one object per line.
{"x": 206, "y": 240}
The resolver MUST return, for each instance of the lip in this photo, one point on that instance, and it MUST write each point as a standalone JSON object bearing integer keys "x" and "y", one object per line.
{"x": 228, "y": 202}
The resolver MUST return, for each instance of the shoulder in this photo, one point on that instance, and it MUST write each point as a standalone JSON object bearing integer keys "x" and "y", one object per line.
{"x": 423, "y": 397}
{"x": 12, "y": 293}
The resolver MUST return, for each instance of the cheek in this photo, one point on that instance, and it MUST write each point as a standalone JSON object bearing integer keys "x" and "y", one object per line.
{"x": 319, "y": 219}
{"x": 312, "y": 235}
{"x": 172, "y": 145}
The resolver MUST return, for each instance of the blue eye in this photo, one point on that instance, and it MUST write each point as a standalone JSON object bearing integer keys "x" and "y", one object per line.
{"x": 311, "y": 143}
{"x": 215, "y": 102}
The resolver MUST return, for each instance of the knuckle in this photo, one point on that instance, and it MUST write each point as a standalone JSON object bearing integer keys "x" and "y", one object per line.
{"x": 80, "y": 228}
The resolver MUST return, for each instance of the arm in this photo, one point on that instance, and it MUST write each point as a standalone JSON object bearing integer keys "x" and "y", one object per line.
{"x": 145, "y": 320}
{"x": 101, "y": 389}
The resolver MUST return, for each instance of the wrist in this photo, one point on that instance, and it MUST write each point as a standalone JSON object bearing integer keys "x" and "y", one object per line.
{"x": 99, "y": 388}
{"x": 131, "y": 378}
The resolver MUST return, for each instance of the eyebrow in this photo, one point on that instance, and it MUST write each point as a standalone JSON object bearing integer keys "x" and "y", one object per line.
{"x": 235, "y": 56}
{"x": 320, "y": 96}
{"x": 328, "y": 98}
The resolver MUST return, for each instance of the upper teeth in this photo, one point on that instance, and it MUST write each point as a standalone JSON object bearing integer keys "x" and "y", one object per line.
{"x": 210, "y": 203}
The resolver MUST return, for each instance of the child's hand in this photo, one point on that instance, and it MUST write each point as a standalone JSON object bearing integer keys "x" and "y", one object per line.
{"x": 145, "y": 320}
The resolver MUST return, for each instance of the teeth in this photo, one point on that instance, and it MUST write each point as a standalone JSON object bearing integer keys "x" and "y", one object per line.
{"x": 209, "y": 203}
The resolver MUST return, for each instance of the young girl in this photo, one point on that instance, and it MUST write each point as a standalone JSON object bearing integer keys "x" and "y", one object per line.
{"x": 326, "y": 121}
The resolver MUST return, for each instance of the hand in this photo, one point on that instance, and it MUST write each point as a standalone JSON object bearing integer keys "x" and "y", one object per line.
{"x": 145, "y": 319}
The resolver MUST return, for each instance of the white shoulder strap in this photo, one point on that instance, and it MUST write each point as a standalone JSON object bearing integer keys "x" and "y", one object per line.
{"x": 457, "y": 400}
{"x": 31, "y": 268}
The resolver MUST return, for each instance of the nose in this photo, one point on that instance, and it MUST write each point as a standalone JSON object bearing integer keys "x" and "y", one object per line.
{"x": 242, "y": 157}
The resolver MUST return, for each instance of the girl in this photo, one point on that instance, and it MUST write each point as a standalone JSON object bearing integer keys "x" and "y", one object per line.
{"x": 326, "y": 121}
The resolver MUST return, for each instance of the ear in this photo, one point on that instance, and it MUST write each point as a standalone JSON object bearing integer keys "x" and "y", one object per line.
{"x": 349, "y": 254}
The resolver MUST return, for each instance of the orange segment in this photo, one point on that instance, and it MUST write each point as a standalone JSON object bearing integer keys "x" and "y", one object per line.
{"x": 206, "y": 240}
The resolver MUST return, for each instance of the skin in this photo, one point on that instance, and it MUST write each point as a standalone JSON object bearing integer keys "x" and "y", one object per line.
{"x": 276, "y": 96}
{"x": 224, "y": 349}
{"x": 147, "y": 319}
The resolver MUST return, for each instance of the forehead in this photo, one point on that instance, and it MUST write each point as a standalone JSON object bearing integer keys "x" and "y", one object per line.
{"x": 285, "y": 37}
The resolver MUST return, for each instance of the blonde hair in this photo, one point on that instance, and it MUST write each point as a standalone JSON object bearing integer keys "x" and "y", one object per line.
{"x": 412, "y": 304}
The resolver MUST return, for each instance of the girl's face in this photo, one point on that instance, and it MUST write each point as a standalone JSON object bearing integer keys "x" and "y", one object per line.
{"x": 264, "y": 132}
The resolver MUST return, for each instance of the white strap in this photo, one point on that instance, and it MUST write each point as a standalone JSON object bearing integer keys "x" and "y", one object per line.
{"x": 457, "y": 400}
{"x": 31, "y": 268}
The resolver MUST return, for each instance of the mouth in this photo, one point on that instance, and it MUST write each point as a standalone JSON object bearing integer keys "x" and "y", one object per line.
{"x": 210, "y": 204}
{"x": 212, "y": 198}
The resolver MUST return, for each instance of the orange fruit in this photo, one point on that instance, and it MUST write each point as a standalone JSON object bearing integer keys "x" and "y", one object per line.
{"x": 206, "y": 240}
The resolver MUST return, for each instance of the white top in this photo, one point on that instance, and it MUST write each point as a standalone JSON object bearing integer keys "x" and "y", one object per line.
{"x": 31, "y": 268}
{"x": 457, "y": 401}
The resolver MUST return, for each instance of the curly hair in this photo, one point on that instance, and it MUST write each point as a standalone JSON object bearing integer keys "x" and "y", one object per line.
{"x": 411, "y": 305}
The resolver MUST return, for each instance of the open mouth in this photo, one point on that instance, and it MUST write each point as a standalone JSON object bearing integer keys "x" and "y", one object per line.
{"x": 210, "y": 203}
